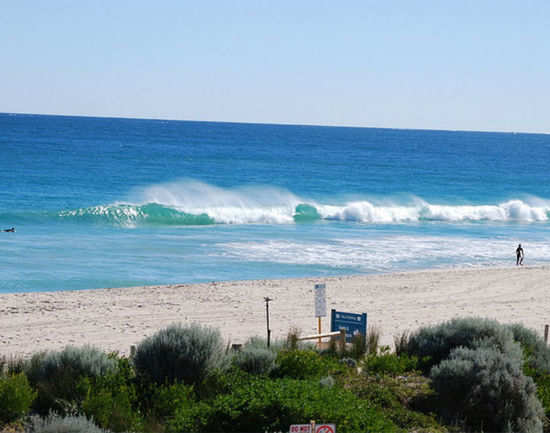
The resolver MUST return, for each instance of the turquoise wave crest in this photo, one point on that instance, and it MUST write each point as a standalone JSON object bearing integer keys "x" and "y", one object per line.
{"x": 135, "y": 215}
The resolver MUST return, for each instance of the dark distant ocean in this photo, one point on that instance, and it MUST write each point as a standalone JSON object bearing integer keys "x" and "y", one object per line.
{"x": 100, "y": 202}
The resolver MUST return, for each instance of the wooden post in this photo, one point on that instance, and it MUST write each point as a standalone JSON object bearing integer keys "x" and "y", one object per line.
{"x": 319, "y": 331}
{"x": 267, "y": 299}
{"x": 545, "y": 334}
{"x": 342, "y": 339}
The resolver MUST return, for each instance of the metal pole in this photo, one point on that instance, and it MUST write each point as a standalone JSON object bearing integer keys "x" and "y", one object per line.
{"x": 546, "y": 334}
{"x": 267, "y": 299}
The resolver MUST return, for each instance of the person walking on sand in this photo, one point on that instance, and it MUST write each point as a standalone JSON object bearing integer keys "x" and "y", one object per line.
{"x": 519, "y": 256}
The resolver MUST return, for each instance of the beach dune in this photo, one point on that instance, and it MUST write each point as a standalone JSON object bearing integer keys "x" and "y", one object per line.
{"x": 115, "y": 319}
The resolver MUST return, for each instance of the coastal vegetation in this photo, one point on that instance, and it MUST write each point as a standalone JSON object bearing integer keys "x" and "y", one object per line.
{"x": 471, "y": 374}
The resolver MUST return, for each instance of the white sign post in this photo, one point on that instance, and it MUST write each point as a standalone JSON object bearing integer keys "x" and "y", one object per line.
{"x": 320, "y": 301}
{"x": 320, "y": 306}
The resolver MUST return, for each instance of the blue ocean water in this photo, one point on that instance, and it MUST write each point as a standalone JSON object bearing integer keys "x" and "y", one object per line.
{"x": 101, "y": 202}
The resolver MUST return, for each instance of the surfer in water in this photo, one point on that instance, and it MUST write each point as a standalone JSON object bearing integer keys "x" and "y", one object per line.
{"x": 519, "y": 256}
{"x": 12, "y": 230}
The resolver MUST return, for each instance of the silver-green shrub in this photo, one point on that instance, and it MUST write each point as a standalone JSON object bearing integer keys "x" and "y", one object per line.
{"x": 327, "y": 382}
{"x": 484, "y": 389}
{"x": 437, "y": 341}
{"x": 57, "y": 424}
{"x": 255, "y": 357}
{"x": 180, "y": 353}
{"x": 80, "y": 361}
{"x": 56, "y": 375}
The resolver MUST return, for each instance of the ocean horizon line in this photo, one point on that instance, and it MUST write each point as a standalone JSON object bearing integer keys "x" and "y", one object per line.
{"x": 283, "y": 124}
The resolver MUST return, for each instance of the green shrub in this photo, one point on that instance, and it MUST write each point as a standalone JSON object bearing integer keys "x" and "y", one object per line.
{"x": 542, "y": 382}
{"x": 167, "y": 399}
{"x": 269, "y": 405}
{"x": 112, "y": 400}
{"x": 486, "y": 390}
{"x": 185, "y": 353}
{"x": 82, "y": 361}
{"x": 255, "y": 357}
{"x": 401, "y": 342}
{"x": 292, "y": 339}
{"x": 11, "y": 365}
{"x": 373, "y": 339}
{"x": 395, "y": 396}
{"x": 16, "y": 397}
{"x": 358, "y": 346}
{"x": 56, "y": 376}
{"x": 303, "y": 364}
{"x": 436, "y": 342}
{"x": 537, "y": 353}
{"x": 274, "y": 345}
{"x": 390, "y": 363}
{"x": 58, "y": 424}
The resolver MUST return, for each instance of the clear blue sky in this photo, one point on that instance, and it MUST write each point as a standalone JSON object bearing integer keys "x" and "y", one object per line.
{"x": 475, "y": 65}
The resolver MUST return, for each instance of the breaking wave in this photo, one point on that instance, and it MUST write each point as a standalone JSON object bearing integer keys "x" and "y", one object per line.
{"x": 192, "y": 203}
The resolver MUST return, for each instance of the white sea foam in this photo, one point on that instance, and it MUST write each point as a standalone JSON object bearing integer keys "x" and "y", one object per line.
{"x": 243, "y": 205}
{"x": 389, "y": 253}
{"x": 269, "y": 205}
{"x": 367, "y": 212}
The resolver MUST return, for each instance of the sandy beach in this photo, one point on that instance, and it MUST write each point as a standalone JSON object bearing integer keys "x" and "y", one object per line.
{"x": 114, "y": 319}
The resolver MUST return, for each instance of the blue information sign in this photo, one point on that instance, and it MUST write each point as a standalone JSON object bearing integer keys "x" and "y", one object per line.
{"x": 351, "y": 322}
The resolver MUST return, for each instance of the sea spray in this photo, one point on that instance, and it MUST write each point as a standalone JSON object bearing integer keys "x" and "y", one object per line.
{"x": 239, "y": 208}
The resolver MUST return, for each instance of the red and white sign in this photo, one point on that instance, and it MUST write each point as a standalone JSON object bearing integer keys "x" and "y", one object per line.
{"x": 325, "y": 428}
{"x": 306, "y": 428}
{"x": 300, "y": 428}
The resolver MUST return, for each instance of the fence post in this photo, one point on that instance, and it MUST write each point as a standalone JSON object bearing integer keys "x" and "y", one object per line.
{"x": 342, "y": 340}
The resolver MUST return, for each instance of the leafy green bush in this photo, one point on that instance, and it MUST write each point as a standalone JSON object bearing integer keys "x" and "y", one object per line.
{"x": 167, "y": 399}
{"x": 486, "y": 390}
{"x": 536, "y": 364}
{"x": 542, "y": 382}
{"x": 269, "y": 405}
{"x": 112, "y": 400}
{"x": 396, "y": 396}
{"x": 537, "y": 353}
{"x": 57, "y": 374}
{"x": 185, "y": 353}
{"x": 16, "y": 397}
{"x": 390, "y": 363}
{"x": 58, "y": 424}
{"x": 303, "y": 364}
{"x": 436, "y": 342}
